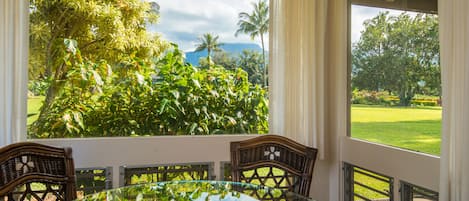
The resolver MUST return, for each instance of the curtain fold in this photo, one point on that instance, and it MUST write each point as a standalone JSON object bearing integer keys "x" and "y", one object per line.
{"x": 13, "y": 70}
{"x": 299, "y": 70}
{"x": 454, "y": 50}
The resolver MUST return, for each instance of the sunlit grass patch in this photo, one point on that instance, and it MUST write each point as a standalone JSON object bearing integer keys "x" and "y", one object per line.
{"x": 417, "y": 129}
{"x": 34, "y": 106}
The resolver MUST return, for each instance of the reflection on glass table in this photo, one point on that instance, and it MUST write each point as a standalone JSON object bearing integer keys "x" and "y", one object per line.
{"x": 195, "y": 190}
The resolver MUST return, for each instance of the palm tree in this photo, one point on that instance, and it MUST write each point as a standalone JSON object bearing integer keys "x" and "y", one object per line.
{"x": 210, "y": 43}
{"x": 256, "y": 24}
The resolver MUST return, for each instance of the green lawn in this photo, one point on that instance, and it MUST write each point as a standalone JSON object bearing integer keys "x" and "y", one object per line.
{"x": 34, "y": 104}
{"x": 369, "y": 181}
{"x": 416, "y": 129}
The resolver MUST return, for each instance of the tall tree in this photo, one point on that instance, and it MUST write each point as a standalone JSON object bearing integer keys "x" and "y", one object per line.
{"x": 108, "y": 30}
{"x": 210, "y": 43}
{"x": 250, "y": 61}
{"x": 225, "y": 59}
{"x": 399, "y": 54}
{"x": 256, "y": 24}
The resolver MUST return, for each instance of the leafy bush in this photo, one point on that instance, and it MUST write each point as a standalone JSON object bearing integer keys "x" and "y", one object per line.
{"x": 423, "y": 102}
{"x": 384, "y": 98}
{"x": 38, "y": 87}
{"x": 165, "y": 97}
{"x": 373, "y": 98}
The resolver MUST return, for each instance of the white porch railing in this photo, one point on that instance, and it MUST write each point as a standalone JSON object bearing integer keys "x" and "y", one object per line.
{"x": 137, "y": 151}
{"x": 416, "y": 168}
{"x": 400, "y": 164}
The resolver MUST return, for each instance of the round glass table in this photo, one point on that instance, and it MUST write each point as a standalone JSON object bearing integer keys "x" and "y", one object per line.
{"x": 194, "y": 190}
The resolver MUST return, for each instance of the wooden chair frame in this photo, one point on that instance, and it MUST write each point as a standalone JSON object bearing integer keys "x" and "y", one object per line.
{"x": 24, "y": 163}
{"x": 267, "y": 151}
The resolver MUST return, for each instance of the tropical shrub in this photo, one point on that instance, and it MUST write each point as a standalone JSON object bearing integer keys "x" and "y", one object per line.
{"x": 163, "y": 97}
{"x": 384, "y": 98}
{"x": 38, "y": 87}
{"x": 373, "y": 98}
{"x": 423, "y": 102}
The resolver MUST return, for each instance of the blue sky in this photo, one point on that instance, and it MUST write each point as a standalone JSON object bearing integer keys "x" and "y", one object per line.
{"x": 183, "y": 21}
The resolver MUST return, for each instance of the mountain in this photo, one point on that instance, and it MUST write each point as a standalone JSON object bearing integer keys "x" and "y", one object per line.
{"x": 232, "y": 48}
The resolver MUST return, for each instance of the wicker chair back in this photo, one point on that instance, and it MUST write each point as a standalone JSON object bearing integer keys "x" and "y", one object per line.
{"x": 275, "y": 161}
{"x": 32, "y": 171}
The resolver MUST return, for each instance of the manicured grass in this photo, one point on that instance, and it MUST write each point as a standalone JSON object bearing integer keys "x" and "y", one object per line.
{"x": 369, "y": 181}
{"x": 34, "y": 105}
{"x": 417, "y": 129}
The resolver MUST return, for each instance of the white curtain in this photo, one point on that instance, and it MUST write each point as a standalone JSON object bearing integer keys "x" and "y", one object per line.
{"x": 13, "y": 70}
{"x": 301, "y": 76}
{"x": 454, "y": 41}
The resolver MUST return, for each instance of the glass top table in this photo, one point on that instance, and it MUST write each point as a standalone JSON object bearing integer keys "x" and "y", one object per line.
{"x": 194, "y": 190}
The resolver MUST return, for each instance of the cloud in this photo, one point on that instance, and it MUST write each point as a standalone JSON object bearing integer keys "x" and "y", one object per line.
{"x": 359, "y": 15}
{"x": 183, "y": 21}
{"x": 362, "y": 13}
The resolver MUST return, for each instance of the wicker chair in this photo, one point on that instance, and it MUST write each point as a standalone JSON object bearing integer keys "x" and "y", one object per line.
{"x": 275, "y": 161}
{"x": 31, "y": 171}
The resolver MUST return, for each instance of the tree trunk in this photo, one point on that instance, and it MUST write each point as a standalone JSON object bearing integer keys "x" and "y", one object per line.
{"x": 49, "y": 62}
{"x": 405, "y": 96}
{"x": 208, "y": 58}
{"x": 263, "y": 61}
{"x": 52, "y": 91}
{"x": 50, "y": 95}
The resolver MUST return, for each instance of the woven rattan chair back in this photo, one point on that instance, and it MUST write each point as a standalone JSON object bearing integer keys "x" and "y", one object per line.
{"x": 275, "y": 161}
{"x": 32, "y": 171}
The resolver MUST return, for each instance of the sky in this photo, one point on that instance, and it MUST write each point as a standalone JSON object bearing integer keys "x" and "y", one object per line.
{"x": 184, "y": 21}
{"x": 362, "y": 13}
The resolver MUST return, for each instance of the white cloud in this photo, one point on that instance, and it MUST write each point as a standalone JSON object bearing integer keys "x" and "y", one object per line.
{"x": 183, "y": 21}
{"x": 362, "y": 13}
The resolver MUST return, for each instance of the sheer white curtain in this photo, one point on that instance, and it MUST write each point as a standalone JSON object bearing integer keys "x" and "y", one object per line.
{"x": 454, "y": 41}
{"x": 13, "y": 70}
{"x": 301, "y": 76}
{"x": 308, "y": 82}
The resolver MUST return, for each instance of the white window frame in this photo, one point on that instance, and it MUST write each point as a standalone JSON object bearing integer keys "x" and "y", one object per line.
{"x": 114, "y": 152}
{"x": 414, "y": 167}
{"x": 96, "y": 152}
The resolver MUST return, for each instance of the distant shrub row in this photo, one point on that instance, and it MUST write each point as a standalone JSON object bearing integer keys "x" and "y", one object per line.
{"x": 384, "y": 98}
